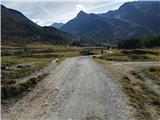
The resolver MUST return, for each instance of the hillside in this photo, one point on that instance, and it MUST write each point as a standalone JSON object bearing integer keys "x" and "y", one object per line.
{"x": 147, "y": 41}
{"x": 144, "y": 13}
{"x": 138, "y": 19}
{"x": 18, "y": 29}
{"x": 57, "y": 25}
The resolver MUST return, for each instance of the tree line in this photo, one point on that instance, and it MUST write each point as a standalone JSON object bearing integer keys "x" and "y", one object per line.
{"x": 144, "y": 42}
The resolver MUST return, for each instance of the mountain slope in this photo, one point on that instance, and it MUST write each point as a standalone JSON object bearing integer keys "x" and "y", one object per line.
{"x": 92, "y": 28}
{"x": 147, "y": 41}
{"x": 144, "y": 13}
{"x": 18, "y": 29}
{"x": 57, "y": 25}
{"x": 132, "y": 19}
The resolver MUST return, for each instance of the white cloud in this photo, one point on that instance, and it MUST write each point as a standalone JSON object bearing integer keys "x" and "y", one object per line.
{"x": 45, "y": 9}
{"x": 64, "y": 0}
{"x": 80, "y": 7}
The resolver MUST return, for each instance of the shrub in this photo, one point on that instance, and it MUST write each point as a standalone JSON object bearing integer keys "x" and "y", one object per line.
{"x": 25, "y": 85}
{"x": 18, "y": 73}
{"x": 86, "y": 52}
{"x": 42, "y": 76}
{"x": 21, "y": 88}
{"x": 9, "y": 82}
{"x": 4, "y": 92}
{"x": 12, "y": 90}
{"x": 33, "y": 81}
{"x": 9, "y": 91}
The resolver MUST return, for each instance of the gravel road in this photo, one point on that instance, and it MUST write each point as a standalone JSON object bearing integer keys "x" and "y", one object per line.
{"x": 77, "y": 89}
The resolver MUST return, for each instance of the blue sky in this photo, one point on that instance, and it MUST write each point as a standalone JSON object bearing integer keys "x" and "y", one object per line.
{"x": 46, "y": 12}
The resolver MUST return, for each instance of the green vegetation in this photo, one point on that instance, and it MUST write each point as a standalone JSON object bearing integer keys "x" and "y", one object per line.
{"x": 38, "y": 54}
{"x": 133, "y": 55}
{"x": 19, "y": 61}
{"x": 33, "y": 63}
{"x": 8, "y": 91}
{"x": 115, "y": 57}
{"x": 148, "y": 42}
{"x": 152, "y": 73}
{"x": 34, "y": 49}
{"x": 9, "y": 77}
{"x": 86, "y": 52}
{"x": 137, "y": 74}
{"x": 142, "y": 98}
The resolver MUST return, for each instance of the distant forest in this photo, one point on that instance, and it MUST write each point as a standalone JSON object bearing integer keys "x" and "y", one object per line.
{"x": 144, "y": 42}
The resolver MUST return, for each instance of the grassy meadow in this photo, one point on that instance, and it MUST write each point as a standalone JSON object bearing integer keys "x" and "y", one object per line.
{"x": 132, "y": 55}
{"x": 138, "y": 74}
{"x": 21, "y": 61}
{"x": 18, "y": 62}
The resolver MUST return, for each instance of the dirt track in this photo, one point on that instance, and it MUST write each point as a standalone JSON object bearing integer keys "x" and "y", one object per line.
{"x": 77, "y": 89}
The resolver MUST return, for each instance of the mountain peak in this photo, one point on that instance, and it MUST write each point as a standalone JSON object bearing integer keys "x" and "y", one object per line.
{"x": 81, "y": 13}
{"x": 57, "y": 25}
{"x": 14, "y": 22}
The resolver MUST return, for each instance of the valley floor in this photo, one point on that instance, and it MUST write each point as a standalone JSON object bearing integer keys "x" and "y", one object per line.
{"x": 77, "y": 89}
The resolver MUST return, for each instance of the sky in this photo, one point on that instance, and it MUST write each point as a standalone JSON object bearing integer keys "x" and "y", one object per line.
{"x": 47, "y": 12}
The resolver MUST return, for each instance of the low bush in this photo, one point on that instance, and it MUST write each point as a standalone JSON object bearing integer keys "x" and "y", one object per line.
{"x": 140, "y": 96}
{"x": 9, "y": 82}
{"x": 14, "y": 91}
{"x": 8, "y": 91}
{"x": 33, "y": 81}
{"x": 18, "y": 73}
{"x": 139, "y": 52}
{"x": 153, "y": 73}
{"x": 86, "y": 52}
{"x": 4, "y": 92}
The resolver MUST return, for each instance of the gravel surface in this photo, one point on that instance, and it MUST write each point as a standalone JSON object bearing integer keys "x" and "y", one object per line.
{"x": 77, "y": 89}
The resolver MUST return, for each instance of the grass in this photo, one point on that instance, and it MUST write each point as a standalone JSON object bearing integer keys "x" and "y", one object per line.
{"x": 86, "y": 52}
{"x": 109, "y": 66}
{"x": 18, "y": 73}
{"x": 115, "y": 57}
{"x": 142, "y": 98}
{"x": 36, "y": 61}
{"x": 8, "y": 91}
{"x": 38, "y": 58}
{"x": 71, "y": 53}
{"x": 39, "y": 48}
{"x": 133, "y": 55}
{"x": 153, "y": 73}
{"x": 34, "y": 57}
{"x": 36, "y": 48}
{"x": 137, "y": 75}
